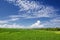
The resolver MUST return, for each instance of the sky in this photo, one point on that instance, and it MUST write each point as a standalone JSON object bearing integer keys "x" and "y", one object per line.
{"x": 29, "y": 13}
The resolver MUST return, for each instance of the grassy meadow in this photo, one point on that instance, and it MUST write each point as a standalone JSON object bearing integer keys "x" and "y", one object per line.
{"x": 28, "y": 34}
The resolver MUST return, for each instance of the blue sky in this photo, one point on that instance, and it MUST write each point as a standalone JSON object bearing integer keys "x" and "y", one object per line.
{"x": 29, "y": 13}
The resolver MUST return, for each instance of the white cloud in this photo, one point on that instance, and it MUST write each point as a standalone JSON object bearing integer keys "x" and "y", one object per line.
{"x": 13, "y": 19}
{"x": 53, "y": 23}
{"x": 56, "y": 20}
{"x": 8, "y": 20}
{"x": 3, "y": 21}
{"x": 26, "y": 4}
{"x": 37, "y": 25}
{"x": 32, "y": 9}
{"x": 11, "y": 26}
{"x": 14, "y": 25}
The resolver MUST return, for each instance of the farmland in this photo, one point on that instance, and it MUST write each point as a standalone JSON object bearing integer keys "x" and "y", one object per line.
{"x": 28, "y": 34}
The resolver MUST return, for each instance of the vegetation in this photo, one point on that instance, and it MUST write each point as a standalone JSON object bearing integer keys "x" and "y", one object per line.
{"x": 29, "y": 34}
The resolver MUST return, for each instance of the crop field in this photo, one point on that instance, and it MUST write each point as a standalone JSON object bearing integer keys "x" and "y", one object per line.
{"x": 28, "y": 34}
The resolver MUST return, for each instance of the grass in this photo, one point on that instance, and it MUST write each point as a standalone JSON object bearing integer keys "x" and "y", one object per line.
{"x": 28, "y": 34}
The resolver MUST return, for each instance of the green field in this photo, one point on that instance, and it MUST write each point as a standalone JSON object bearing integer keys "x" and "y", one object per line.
{"x": 28, "y": 34}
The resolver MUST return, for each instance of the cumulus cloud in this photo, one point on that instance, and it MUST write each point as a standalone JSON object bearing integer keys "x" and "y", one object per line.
{"x": 53, "y": 23}
{"x": 37, "y": 25}
{"x": 32, "y": 9}
{"x": 14, "y": 25}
